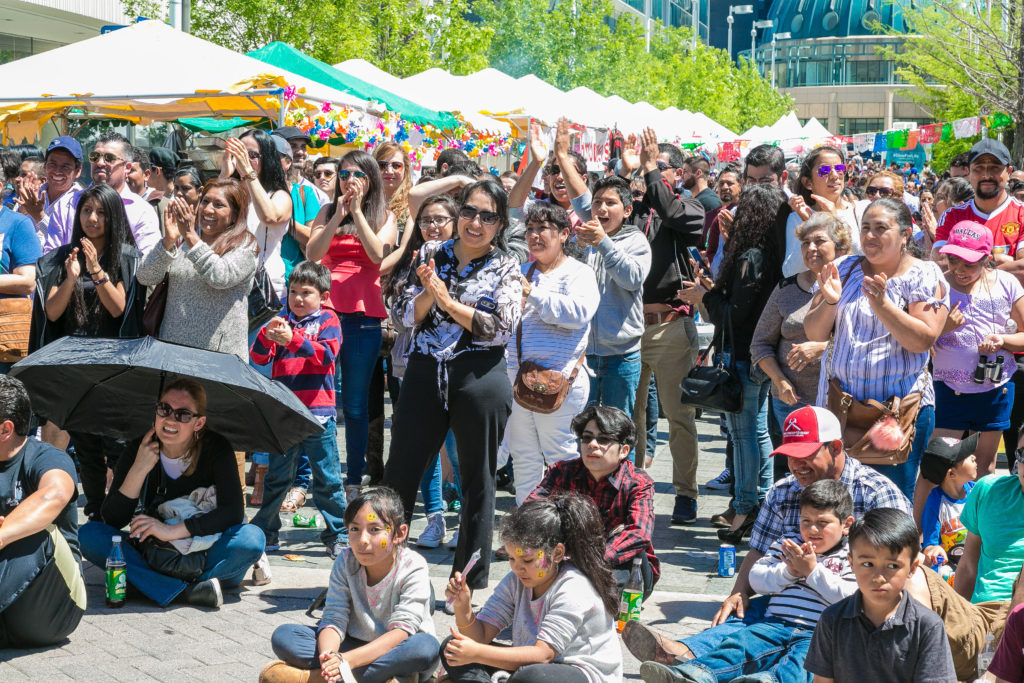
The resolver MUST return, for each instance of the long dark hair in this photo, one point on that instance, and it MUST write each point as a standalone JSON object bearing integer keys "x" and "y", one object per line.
{"x": 807, "y": 171}
{"x": 397, "y": 278}
{"x": 119, "y": 235}
{"x": 755, "y": 219}
{"x": 271, "y": 172}
{"x": 900, "y": 213}
{"x": 374, "y": 202}
{"x": 572, "y": 520}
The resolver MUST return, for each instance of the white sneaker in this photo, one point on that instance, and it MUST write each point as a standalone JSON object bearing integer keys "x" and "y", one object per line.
{"x": 261, "y": 571}
{"x": 433, "y": 535}
{"x": 454, "y": 543}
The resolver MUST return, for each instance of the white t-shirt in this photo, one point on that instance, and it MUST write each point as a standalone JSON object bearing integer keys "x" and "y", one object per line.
{"x": 174, "y": 467}
{"x": 851, "y": 214}
{"x": 270, "y": 249}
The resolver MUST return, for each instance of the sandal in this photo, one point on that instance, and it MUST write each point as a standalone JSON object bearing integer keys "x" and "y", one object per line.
{"x": 294, "y": 499}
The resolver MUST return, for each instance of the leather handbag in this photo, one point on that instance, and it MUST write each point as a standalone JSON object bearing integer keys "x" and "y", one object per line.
{"x": 264, "y": 303}
{"x": 716, "y": 388}
{"x": 153, "y": 313}
{"x": 163, "y": 557}
{"x": 15, "y": 323}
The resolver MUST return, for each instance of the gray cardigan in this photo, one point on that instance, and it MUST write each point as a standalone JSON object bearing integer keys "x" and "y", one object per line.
{"x": 207, "y": 295}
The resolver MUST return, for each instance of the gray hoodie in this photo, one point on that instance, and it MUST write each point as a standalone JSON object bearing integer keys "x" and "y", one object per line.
{"x": 621, "y": 263}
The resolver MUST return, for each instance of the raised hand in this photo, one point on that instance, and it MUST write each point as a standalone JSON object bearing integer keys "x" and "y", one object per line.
{"x": 649, "y": 150}
{"x": 92, "y": 258}
{"x": 538, "y": 148}
{"x": 30, "y": 197}
{"x": 630, "y": 155}
{"x": 799, "y": 206}
{"x": 72, "y": 266}
{"x": 874, "y": 289}
{"x": 563, "y": 139}
{"x": 830, "y": 285}
{"x": 239, "y": 155}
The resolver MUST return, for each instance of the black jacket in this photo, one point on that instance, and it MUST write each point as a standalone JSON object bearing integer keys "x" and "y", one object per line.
{"x": 742, "y": 298}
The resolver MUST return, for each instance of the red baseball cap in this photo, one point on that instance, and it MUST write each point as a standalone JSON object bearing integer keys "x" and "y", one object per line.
{"x": 968, "y": 240}
{"x": 805, "y": 430}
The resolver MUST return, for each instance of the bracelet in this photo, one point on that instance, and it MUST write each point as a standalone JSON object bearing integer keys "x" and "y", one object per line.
{"x": 466, "y": 625}
{"x": 99, "y": 282}
{"x": 92, "y": 274}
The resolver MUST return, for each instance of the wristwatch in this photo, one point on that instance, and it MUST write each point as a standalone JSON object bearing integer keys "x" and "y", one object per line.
{"x": 251, "y": 175}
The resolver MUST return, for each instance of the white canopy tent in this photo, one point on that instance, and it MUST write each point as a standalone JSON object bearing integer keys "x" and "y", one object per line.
{"x": 814, "y": 129}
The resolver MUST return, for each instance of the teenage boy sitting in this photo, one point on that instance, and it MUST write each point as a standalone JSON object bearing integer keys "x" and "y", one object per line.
{"x": 880, "y": 633}
{"x": 303, "y": 347}
{"x": 622, "y": 493}
{"x": 950, "y": 465}
{"x": 802, "y": 579}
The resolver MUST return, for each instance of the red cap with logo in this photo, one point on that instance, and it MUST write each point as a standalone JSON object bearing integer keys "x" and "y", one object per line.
{"x": 805, "y": 430}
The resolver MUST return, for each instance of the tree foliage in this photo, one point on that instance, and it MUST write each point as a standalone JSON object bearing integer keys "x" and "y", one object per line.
{"x": 572, "y": 44}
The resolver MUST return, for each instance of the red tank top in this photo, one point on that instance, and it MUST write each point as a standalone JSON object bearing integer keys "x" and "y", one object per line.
{"x": 355, "y": 279}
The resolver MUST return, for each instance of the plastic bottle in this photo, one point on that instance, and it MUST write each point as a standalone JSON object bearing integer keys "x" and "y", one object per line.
{"x": 986, "y": 655}
{"x": 632, "y": 596}
{"x": 117, "y": 577}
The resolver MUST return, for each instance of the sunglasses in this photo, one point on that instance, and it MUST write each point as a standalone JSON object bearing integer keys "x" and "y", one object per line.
{"x": 324, "y": 174}
{"x": 438, "y": 221}
{"x": 662, "y": 166}
{"x": 108, "y": 157}
{"x": 180, "y": 414}
{"x": 602, "y": 440}
{"x": 638, "y": 194}
{"x": 254, "y": 155}
{"x": 555, "y": 169}
{"x": 469, "y": 213}
{"x": 346, "y": 174}
{"x": 393, "y": 165}
{"x": 826, "y": 170}
{"x": 880, "y": 191}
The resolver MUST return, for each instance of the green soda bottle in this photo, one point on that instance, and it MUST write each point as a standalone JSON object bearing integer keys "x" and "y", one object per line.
{"x": 117, "y": 578}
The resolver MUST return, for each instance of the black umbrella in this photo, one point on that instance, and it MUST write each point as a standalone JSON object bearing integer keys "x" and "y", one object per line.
{"x": 110, "y": 387}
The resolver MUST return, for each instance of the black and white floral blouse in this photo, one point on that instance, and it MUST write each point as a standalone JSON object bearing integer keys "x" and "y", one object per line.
{"x": 489, "y": 284}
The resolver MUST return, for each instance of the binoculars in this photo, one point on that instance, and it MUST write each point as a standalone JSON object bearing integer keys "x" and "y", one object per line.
{"x": 986, "y": 369}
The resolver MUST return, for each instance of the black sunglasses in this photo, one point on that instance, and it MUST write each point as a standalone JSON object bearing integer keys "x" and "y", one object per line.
{"x": 469, "y": 213}
{"x": 602, "y": 440}
{"x": 180, "y": 414}
{"x": 881, "y": 191}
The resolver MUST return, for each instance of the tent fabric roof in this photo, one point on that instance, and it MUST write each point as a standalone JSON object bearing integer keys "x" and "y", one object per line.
{"x": 214, "y": 84}
{"x": 287, "y": 57}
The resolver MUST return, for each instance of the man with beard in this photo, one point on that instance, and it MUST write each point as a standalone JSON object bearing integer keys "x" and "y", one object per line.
{"x": 695, "y": 173}
{"x": 716, "y": 230}
{"x": 992, "y": 206}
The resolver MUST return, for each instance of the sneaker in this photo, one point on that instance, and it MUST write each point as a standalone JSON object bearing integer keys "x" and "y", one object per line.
{"x": 335, "y": 548}
{"x": 261, "y": 571}
{"x": 433, "y": 535}
{"x": 656, "y": 672}
{"x": 454, "y": 542}
{"x": 685, "y": 510}
{"x": 204, "y": 594}
{"x": 272, "y": 546}
{"x": 722, "y": 482}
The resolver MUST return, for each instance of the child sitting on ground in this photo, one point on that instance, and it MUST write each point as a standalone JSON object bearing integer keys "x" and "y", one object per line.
{"x": 880, "y": 633}
{"x": 303, "y": 347}
{"x": 377, "y": 616}
{"x": 803, "y": 579}
{"x": 950, "y": 465}
{"x": 561, "y": 612}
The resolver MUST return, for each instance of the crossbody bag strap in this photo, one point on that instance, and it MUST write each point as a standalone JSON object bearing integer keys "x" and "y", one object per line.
{"x": 519, "y": 328}
{"x": 832, "y": 339}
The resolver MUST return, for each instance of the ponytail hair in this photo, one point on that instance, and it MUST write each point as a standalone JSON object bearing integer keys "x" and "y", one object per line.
{"x": 572, "y": 520}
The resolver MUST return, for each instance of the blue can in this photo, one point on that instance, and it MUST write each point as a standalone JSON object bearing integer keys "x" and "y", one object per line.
{"x": 727, "y": 560}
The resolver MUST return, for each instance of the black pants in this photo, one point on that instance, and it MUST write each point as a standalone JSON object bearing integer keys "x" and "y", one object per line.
{"x": 1016, "y": 414}
{"x": 623, "y": 571}
{"x": 95, "y": 454}
{"x": 44, "y": 612}
{"x": 531, "y": 673}
{"x": 479, "y": 402}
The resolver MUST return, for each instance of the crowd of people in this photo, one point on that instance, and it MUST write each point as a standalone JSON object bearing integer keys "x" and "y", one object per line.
{"x": 531, "y": 328}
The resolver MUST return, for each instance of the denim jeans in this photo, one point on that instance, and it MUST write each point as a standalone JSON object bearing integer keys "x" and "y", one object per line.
{"x": 752, "y": 447}
{"x": 321, "y": 451}
{"x": 430, "y": 487}
{"x": 651, "y": 418}
{"x": 771, "y": 649}
{"x": 230, "y": 557}
{"x": 707, "y": 640}
{"x": 360, "y": 346}
{"x": 905, "y": 475}
{"x": 780, "y": 465}
{"x": 295, "y": 645}
{"x": 614, "y": 382}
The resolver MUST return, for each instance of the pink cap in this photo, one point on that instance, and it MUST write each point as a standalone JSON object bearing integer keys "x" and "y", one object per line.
{"x": 968, "y": 240}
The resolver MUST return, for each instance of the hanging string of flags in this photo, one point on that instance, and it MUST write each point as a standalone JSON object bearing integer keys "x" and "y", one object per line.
{"x": 904, "y": 140}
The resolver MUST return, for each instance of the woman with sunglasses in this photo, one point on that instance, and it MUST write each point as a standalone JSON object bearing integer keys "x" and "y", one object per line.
{"x": 87, "y": 288}
{"x": 820, "y": 187}
{"x": 176, "y": 458}
{"x": 325, "y": 175}
{"x": 464, "y": 301}
{"x": 352, "y": 235}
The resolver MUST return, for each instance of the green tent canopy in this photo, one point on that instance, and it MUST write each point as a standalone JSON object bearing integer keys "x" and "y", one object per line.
{"x": 285, "y": 56}
{"x": 211, "y": 125}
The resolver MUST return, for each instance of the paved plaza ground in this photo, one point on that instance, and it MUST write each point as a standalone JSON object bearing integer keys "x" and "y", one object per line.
{"x": 142, "y": 642}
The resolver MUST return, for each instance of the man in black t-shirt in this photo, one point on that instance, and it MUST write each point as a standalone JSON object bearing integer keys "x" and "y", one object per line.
{"x": 42, "y": 593}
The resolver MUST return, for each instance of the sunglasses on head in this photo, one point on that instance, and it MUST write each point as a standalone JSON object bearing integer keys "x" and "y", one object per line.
{"x": 346, "y": 174}
{"x": 880, "y": 191}
{"x": 108, "y": 157}
{"x": 393, "y": 165}
{"x": 825, "y": 170}
{"x": 180, "y": 414}
{"x": 469, "y": 213}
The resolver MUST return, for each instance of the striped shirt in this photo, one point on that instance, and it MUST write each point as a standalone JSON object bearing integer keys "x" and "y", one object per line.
{"x": 799, "y": 601}
{"x": 865, "y": 357}
{"x": 306, "y": 364}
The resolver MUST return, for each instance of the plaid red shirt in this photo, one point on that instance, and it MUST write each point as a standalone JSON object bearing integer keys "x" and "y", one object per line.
{"x": 625, "y": 499}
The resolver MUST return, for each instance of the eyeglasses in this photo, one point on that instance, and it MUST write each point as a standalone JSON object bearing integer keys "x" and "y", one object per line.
{"x": 324, "y": 174}
{"x": 435, "y": 221}
{"x": 393, "y": 165}
{"x": 469, "y": 213}
{"x": 180, "y": 414}
{"x": 825, "y": 170}
{"x": 602, "y": 440}
{"x": 346, "y": 174}
{"x": 254, "y": 155}
{"x": 881, "y": 191}
{"x": 108, "y": 157}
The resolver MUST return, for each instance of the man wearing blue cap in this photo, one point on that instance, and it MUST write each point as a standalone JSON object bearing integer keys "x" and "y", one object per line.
{"x": 50, "y": 205}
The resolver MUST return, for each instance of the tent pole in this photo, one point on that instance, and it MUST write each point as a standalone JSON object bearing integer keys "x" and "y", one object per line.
{"x": 281, "y": 110}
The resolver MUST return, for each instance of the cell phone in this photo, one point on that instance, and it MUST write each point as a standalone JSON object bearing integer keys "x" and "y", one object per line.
{"x": 697, "y": 257}
{"x": 486, "y": 304}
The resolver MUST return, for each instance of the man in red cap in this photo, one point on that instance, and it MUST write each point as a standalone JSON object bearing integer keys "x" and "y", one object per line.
{"x": 812, "y": 442}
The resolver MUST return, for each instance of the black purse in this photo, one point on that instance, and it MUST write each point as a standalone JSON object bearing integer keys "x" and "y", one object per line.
{"x": 716, "y": 388}
{"x": 163, "y": 557}
{"x": 264, "y": 303}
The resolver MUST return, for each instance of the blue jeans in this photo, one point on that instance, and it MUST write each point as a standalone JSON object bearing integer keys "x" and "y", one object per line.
{"x": 652, "y": 419}
{"x": 431, "y": 483}
{"x": 905, "y": 475}
{"x": 771, "y": 649}
{"x": 752, "y": 446}
{"x": 705, "y": 642}
{"x": 321, "y": 451}
{"x": 237, "y": 549}
{"x": 360, "y": 346}
{"x": 614, "y": 382}
{"x": 295, "y": 645}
